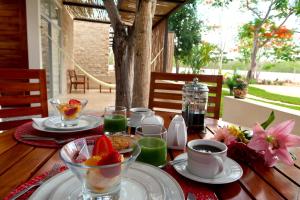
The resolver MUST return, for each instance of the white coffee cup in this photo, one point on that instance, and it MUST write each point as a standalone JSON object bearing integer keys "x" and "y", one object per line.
{"x": 138, "y": 114}
{"x": 206, "y": 157}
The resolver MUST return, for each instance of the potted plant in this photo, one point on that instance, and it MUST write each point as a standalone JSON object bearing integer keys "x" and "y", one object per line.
{"x": 240, "y": 89}
{"x": 231, "y": 82}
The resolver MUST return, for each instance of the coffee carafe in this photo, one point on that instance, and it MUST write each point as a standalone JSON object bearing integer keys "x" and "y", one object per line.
{"x": 194, "y": 105}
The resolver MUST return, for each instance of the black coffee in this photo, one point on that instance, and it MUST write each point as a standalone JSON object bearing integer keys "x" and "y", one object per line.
{"x": 206, "y": 148}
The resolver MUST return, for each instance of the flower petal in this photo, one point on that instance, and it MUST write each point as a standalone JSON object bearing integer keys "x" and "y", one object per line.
{"x": 258, "y": 143}
{"x": 292, "y": 140}
{"x": 284, "y": 156}
{"x": 283, "y": 128}
{"x": 257, "y": 129}
{"x": 270, "y": 158}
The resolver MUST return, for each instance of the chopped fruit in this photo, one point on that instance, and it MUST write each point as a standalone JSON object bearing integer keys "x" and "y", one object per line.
{"x": 93, "y": 161}
{"x": 103, "y": 146}
{"x": 74, "y": 101}
{"x": 71, "y": 111}
{"x": 111, "y": 158}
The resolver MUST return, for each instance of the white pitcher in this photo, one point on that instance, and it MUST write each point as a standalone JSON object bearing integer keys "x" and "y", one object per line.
{"x": 177, "y": 133}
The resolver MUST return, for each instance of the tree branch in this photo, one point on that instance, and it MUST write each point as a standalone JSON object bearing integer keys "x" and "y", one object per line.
{"x": 252, "y": 9}
{"x": 113, "y": 13}
{"x": 280, "y": 25}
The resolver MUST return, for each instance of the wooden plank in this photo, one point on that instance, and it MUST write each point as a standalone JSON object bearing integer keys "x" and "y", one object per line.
{"x": 11, "y": 74}
{"x": 19, "y": 100}
{"x": 23, "y": 170}
{"x": 20, "y": 111}
{"x": 172, "y": 96}
{"x": 13, "y": 155}
{"x": 7, "y": 141}
{"x": 12, "y": 124}
{"x": 160, "y": 104}
{"x": 11, "y": 87}
{"x": 231, "y": 191}
{"x": 186, "y": 77}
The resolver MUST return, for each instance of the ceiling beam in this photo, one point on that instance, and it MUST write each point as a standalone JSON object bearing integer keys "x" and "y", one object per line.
{"x": 88, "y": 5}
{"x": 91, "y": 20}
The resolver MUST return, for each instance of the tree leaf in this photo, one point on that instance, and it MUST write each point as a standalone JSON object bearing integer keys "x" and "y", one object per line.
{"x": 269, "y": 120}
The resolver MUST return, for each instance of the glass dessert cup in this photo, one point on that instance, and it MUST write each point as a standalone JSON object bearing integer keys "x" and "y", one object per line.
{"x": 69, "y": 110}
{"x": 100, "y": 182}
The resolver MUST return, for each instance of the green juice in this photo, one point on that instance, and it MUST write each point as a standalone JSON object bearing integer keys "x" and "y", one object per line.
{"x": 153, "y": 151}
{"x": 115, "y": 123}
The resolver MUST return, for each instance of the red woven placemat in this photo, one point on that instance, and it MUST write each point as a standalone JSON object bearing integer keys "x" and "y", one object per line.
{"x": 28, "y": 129}
{"x": 202, "y": 191}
{"x": 27, "y": 184}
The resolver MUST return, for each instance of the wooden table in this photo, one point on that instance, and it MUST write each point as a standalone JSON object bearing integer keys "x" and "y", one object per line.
{"x": 20, "y": 162}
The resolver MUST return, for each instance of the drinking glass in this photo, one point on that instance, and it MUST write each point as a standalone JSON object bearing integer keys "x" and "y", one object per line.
{"x": 99, "y": 182}
{"x": 115, "y": 119}
{"x": 153, "y": 147}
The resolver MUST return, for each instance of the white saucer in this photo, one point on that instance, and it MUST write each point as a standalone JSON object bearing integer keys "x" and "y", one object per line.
{"x": 55, "y": 123}
{"x": 141, "y": 182}
{"x": 232, "y": 172}
{"x": 86, "y": 122}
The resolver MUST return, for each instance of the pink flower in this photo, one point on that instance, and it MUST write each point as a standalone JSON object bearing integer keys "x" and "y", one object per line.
{"x": 274, "y": 141}
{"x": 223, "y": 135}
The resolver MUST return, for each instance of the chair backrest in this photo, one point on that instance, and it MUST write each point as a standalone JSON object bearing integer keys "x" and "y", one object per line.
{"x": 23, "y": 95}
{"x": 72, "y": 75}
{"x": 166, "y": 91}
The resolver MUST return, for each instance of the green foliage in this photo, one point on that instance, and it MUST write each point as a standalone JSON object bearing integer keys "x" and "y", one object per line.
{"x": 200, "y": 56}
{"x": 231, "y": 81}
{"x": 270, "y": 119}
{"x": 187, "y": 27}
{"x": 240, "y": 84}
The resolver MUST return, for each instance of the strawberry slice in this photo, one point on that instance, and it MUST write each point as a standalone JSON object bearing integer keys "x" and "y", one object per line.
{"x": 71, "y": 111}
{"x": 74, "y": 102}
{"x": 111, "y": 158}
{"x": 103, "y": 146}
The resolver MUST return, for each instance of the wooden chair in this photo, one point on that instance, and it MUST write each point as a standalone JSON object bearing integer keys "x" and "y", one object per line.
{"x": 23, "y": 95}
{"x": 77, "y": 79}
{"x": 166, "y": 91}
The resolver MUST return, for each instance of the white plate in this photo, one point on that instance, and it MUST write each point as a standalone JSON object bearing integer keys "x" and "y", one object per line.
{"x": 232, "y": 172}
{"x": 141, "y": 182}
{"x": 92, "y": 122}
{"x": 55, "y": 123}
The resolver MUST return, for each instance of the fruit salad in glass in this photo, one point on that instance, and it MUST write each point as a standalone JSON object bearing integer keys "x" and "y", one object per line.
{"x": 69, "y": 109}
{"x": 99, "y": 162}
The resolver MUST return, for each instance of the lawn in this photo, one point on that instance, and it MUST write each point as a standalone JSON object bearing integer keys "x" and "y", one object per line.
{"x": 266, "y": 95}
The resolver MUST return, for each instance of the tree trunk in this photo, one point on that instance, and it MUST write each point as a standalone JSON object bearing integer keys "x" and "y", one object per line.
{"x": 177, "y": 65}
{"x": 142, "y": 68}
{"x": 253, "y": 65}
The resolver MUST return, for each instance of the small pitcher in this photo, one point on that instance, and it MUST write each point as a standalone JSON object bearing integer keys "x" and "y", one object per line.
{"x": 177, "y": 133}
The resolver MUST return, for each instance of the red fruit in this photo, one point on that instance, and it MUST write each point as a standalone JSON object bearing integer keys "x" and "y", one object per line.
{"x": 71, "y": 111}
{"x": 103, "y": 146}
{"x": 111, "y": 158}
{"x": 74, "y": 101}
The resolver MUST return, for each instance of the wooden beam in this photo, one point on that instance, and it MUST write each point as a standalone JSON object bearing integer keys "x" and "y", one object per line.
{"x": 171, "y": 1}
{"x": 88, "y": 5}
{"x": 91, "y": 20}
{"x": 166, "y": 43}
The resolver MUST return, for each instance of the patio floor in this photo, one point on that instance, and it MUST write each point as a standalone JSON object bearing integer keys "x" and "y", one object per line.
{"x": 96, "y": 101}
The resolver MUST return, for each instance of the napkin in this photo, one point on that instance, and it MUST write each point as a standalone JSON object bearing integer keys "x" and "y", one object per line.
{"x": 152, "y": 125}
{"x": 40, "y": 121}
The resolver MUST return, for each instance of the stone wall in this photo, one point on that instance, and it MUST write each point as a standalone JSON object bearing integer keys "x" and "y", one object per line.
{"x": 91, "y": 48}
{"x": 67, "y": 36}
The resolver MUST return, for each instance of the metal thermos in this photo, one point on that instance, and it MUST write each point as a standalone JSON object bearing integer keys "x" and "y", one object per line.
{"x": 194, "y": 105}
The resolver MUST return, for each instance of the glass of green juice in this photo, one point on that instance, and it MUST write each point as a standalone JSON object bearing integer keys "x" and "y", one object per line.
{"x": 153, "y": 151}
{"x": 115, "y": 120}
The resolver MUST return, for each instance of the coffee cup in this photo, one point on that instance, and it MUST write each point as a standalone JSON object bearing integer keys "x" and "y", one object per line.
{"x": 206, "y": 157}
{"x": 138, "y": 114}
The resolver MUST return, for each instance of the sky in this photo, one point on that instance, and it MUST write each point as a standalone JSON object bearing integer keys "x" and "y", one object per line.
{"x": 229, "y": 20}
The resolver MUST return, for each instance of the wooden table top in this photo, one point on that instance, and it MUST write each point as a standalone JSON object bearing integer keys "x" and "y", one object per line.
{"x": 20, "y": 162}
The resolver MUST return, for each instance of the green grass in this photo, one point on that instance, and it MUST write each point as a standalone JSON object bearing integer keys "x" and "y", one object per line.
{"x": 272, "y": 96}
{"x": 286, "y": 67}
{"x": 224, "y": 93}
{"x": 278, "y": 104}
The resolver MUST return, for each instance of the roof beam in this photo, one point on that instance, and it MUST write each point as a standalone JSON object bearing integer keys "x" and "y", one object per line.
{"x": 88, "y": 5}
{"x": 91, "y": 20}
